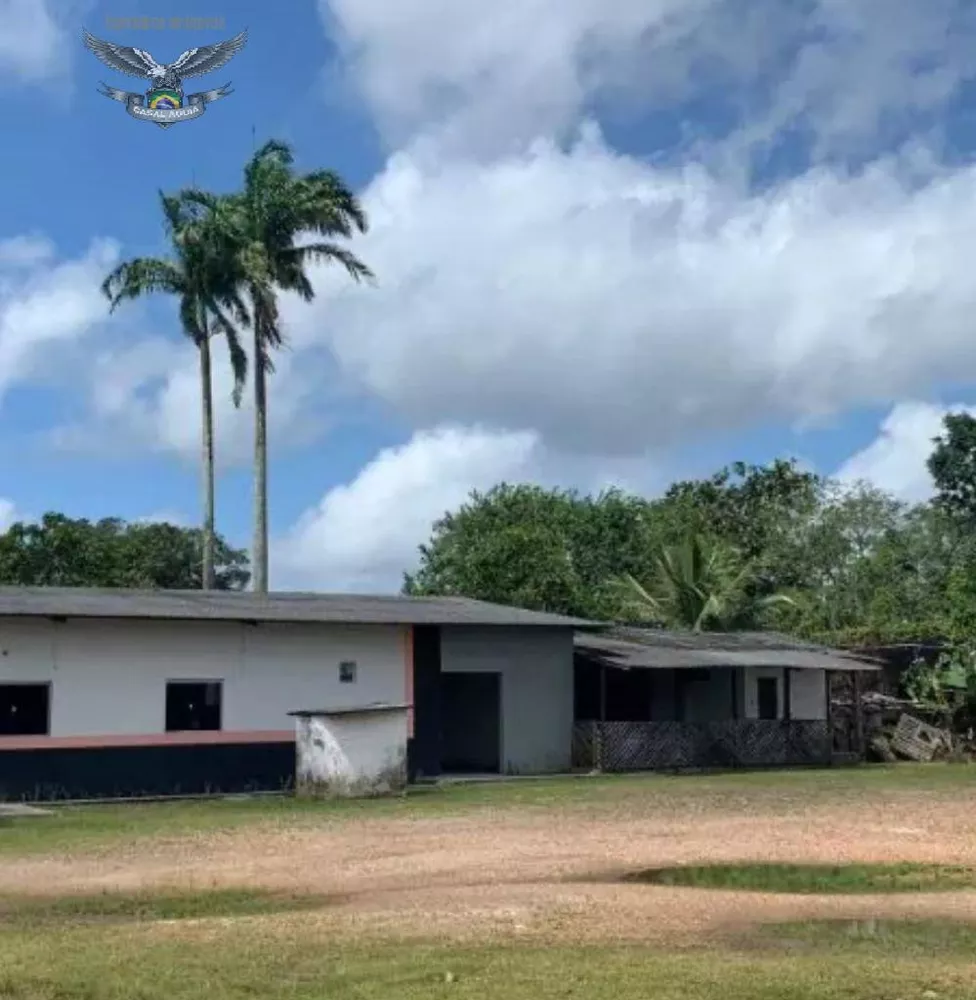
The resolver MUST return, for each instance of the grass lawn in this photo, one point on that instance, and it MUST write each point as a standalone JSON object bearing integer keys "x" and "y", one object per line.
{"x": 927, "y": 939}
{"x": 227, "y": 960}
{"x": 104, "y": 826}
{"x": 246, "y": 944}
{"x": 817, "y": 879}
{"x": 62, "y": 912}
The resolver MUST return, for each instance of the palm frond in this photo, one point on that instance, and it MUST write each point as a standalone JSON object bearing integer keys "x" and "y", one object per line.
{"x": 238, "y": 356}
{"x": 331, "y": 252}
{"x": 143, "y": 276}
{"x": 697, "y": 584}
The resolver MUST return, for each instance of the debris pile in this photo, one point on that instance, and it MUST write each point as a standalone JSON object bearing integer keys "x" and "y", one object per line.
{"x": 914, "y": 739}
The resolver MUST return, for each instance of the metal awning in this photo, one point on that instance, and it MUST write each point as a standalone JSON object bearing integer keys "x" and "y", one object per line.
{"x": 660, "y": 649}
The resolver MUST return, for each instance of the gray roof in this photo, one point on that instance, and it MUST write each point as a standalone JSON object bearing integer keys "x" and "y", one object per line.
{"x": 629, "y": 648}
{"x": 225, "y": 605}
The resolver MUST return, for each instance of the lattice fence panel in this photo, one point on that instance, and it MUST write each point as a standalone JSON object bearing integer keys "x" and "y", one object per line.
{"x": 750, "y": 742}
{"x": 648, "y": 746}
{"x": 811, "y": 742}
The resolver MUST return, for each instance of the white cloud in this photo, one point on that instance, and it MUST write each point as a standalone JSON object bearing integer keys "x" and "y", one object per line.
{"x": 33, "y": 46}
{"x": 46, "y": 305}
{"x": 608, "y": 303}
{"x": 896, "y": 460}
{"x": 486, "y": 74}
{"x": 482, "y": 76}
{"x": 26, "y": 251}
{"x": 855, "y": 78}
{"x": 362, "y": 535}
{"x": 614, "y": 306}
{"x": 147, "y": 394}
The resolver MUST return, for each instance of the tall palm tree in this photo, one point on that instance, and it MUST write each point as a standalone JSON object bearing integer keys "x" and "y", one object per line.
{"x": 698, "y": 584}
{"x": 209, "y": 304}
{"x": 267, "y": 235}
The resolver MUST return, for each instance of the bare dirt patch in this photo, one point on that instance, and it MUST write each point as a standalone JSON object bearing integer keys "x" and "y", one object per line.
{"x": 552, "y": 875}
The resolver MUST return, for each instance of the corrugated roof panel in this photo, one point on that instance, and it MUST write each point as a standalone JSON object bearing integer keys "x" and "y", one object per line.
{"x": 81, "y": 602}
{"x": 650, "y": 649}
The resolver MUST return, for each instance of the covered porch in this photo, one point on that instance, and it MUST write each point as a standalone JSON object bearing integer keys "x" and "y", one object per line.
{"x": 647, "y": 699}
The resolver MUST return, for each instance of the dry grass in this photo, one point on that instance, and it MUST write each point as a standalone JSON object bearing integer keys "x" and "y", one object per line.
{"x": 515, "y": 889}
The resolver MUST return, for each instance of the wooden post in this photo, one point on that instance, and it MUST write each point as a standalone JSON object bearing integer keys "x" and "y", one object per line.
{"x": 829, "y": 713}
{"x": 858, "y": 713}
{"x": 603, "y": 692}
{"x": 787, "y": 693}
{"x": 599, "y": 727}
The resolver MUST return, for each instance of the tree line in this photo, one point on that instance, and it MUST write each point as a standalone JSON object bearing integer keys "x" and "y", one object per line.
{"x": 231, "y": 256}
{"x": 771, "y": 546}
{"x": 59, "y": 551}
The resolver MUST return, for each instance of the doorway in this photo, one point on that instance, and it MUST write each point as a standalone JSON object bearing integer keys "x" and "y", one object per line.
{"x": 767, "y": 697}
{"x": 471, "y": 723}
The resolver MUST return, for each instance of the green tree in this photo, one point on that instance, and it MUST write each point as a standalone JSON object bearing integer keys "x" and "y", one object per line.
{"x": 700, "y": 584}
{"x": 843, "y": 556}
{"x": 510, "y": 545}
{"x": 59, "y": 551}
{"x": 266, "y": 236}
{"x": 550, "y": 550}
{"x": 952, "y": 465}
{"x": 758, "y": 510}
{"x": 208, "y": 304}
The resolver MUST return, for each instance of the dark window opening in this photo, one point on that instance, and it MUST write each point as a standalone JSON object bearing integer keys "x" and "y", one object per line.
{"x": 347, "y": 672}
{"x": 25, "y": 709}
{"x": 192, "y": 705}
{"x": 767, "y": 696}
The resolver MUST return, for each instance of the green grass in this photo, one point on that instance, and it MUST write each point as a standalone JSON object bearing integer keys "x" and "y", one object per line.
{"x": 141, "y": 907}
{"x": 244, "y": 960}
{"x": 243, "y": 944}
{"x": 871, "y": 938}
{"x": 108, "y": 826}
{"x": 816, "y": 879}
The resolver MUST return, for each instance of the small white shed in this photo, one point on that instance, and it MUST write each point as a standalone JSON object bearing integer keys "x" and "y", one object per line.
{"x": 351, "y": 752}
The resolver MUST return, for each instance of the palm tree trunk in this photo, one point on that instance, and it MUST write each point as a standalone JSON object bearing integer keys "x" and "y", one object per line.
{"x": 206, "y": 390}
{"x": 260, "y": 553}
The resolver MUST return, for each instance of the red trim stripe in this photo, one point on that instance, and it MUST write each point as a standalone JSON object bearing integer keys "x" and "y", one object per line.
{"x": 195, "y": 738}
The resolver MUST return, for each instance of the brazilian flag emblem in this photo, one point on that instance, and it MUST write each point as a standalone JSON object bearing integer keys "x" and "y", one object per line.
{"x": 164, "y": 100}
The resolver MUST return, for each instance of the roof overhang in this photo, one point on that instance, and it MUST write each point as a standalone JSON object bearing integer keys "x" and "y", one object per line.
{"x": 660, "y": 650}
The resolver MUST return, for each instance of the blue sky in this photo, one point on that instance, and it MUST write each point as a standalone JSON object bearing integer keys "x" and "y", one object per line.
{"x": 614, "y": 244}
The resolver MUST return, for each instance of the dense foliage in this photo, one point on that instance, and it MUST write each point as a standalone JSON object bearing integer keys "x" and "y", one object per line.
{"x": 752, "y": 546}
{"x": 60, "y": 551}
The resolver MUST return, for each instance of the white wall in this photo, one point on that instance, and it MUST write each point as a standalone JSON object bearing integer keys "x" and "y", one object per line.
{"x": 536, "y": 665}
{"x": 109, "y": 677}
{"x": 808, "y": 695}
{"x": 362, "y": 753}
